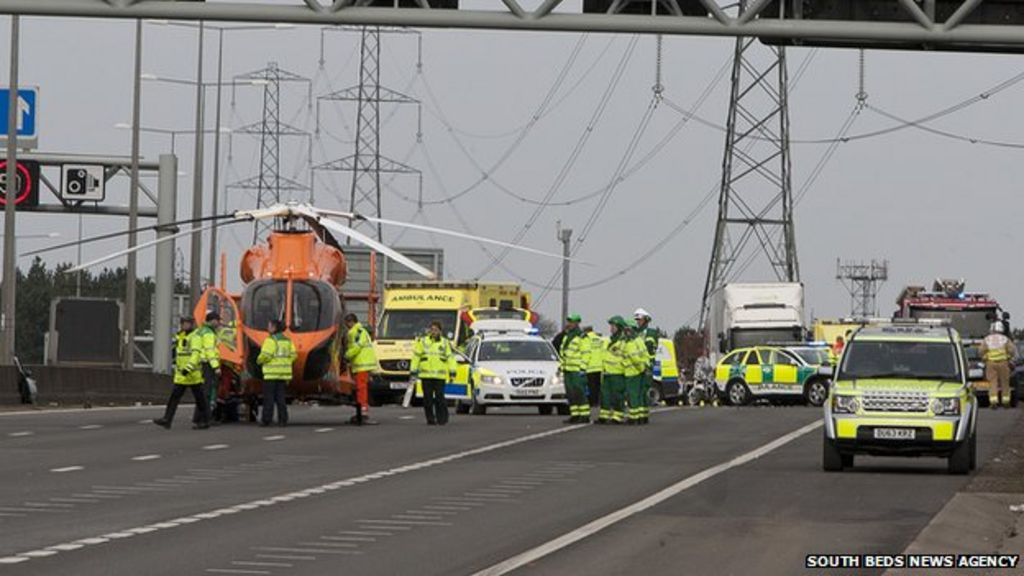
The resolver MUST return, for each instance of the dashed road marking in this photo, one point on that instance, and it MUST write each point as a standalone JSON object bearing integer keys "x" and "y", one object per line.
{"x": 146, "y": 457}
{"x": 406, "y": 417}
{"x": 406, "y": 522}
{"x": 20, "y": 434}
{"x": 349, "y": 538}
{"x": 75, "y": 500}
{"x": 274, "y": 438}
{"x": 301, "y": 550}
{"x": 324, "y": 488}
{"x": 571, "y": 537}
{"x": 366, "y": 533}
{"x": 91, "y": 427}
{"x": 67, "y": 469}
{"x": 322, "y": 430}
{"x": 267, "y": 564}
{"x": 215, "y": 446}
{"x": 281, "y": 557}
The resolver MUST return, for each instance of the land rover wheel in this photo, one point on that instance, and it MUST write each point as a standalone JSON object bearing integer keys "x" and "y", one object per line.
{"x": 831, "y": 459}
{"x": 960, "y": 459}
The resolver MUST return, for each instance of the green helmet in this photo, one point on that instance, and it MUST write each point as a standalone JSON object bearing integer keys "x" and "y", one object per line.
{"x": 617, "y": 321}
{"x": 631, "y": 324}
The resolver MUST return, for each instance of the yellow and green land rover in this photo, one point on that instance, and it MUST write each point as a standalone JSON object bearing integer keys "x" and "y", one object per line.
{"x": 902, "y": 390}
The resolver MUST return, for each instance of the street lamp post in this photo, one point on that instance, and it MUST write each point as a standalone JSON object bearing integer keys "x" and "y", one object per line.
{"x": 197, "y": 181}
{"x": 10, "y": 266}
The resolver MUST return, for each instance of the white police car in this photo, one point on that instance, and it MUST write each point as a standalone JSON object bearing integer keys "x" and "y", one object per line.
{"x": 511, "y": 365}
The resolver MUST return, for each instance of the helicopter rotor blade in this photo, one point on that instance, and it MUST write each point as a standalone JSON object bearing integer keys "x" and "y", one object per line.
{"x": 138, "y": 247}
{"x": 445, "y": 232}
{"x": 312, "y": 214}
{"x": 108, "y": 236}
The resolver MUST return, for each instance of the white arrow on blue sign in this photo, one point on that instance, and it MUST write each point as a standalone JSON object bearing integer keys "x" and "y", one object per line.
{"x": 28, "y": 119}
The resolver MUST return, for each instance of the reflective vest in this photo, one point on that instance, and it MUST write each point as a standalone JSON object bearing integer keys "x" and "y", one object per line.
{"x": 574, "y": 352}
{"x": 595, "y": 352}
{"x": 359, "y": 350}
{"x": 635, "y": 360}
{"x": 187, "y": 358}
{"x": 433, "y": 359}
{"x": 276, "y": 357}
{"x": 994, "y": 348}
{"x": 649, "y": 337}
{"x": 615, "y": 357}
{"x": 209, "y": 353}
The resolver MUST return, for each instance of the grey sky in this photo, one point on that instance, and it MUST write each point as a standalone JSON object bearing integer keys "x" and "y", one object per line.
{"x": 932, "y": 206}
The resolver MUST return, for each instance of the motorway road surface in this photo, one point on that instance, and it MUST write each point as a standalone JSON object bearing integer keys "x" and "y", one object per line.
{"x": 104, "y": 492}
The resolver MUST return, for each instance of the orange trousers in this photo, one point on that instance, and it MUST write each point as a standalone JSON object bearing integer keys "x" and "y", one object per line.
{"x": 363, "y": 391}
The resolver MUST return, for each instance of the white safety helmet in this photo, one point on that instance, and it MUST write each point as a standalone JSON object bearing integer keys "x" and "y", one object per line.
{"x": 996, "y": 328}
{"x": 641, "y": 313}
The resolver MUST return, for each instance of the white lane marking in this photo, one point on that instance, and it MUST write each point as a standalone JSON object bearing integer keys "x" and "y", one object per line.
{"x": 285, "y": 557}
{"x": 329, "y": 544}
{"x": 301, "y": 550}
{"x": 77, "y": 410}
{"x": 16, "y": 510}
{"x": 147, "y": 421}
{"x": 458, "y": 508}
{"x": 146, "y": 457}
{"x": 274, "y": 438}
{"x": 427, "y": 513}
{"x": 75, "y": 500}
{"x": 349, "y": 538}
{"x": 267, "y": 564}
{"x": 324, "y": 488}
{"x": 457, "y": 501}
{"x": 67, "y": 469}
{"x": 366, "y": 533}
{"x": 405, "y": 522}
{"x": 91, "y": 427}
{"x": 14, "y": 559}
{"x": 215, "y": 446}
{"x": 322, "y": 430}
{"x": 94, "y": 496}
{"x": 591, "y": 528}
{"x": 374, "y": 525}
{"x": 11, "y": 515}
{"x": 20, "y": 434}
{"x": 46, "y": 505}
{"x": 434, "y": 516}
{"x": 406, "y": 417}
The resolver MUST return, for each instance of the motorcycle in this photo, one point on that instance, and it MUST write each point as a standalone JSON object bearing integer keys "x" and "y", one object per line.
{"x": 702, "y": 389}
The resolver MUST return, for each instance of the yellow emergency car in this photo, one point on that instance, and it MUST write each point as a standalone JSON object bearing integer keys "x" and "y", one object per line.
{"x": 771, "y": 372}
{"x": 902, "y": 390}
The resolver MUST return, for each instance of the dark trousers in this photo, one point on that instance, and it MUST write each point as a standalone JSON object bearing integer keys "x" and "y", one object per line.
{"x": 434, "y": 404}
{"x": 273, "y": 395}
{"x": 210, "y": 391}
{"x": 202, "y": 411}
{"x": 594, "y": 388}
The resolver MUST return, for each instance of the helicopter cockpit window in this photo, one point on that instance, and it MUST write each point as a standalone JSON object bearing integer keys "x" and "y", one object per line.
{"x": 265, "y": 302}
{"x": 311, "y": 307}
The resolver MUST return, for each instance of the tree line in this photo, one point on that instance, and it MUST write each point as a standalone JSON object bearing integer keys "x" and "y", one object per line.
{"x": 40, "y": 286}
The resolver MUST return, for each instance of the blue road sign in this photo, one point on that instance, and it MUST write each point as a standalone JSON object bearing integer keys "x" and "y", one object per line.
{"x": 28, "y": 121}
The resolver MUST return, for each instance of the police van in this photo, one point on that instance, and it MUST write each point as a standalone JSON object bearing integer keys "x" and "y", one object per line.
{"x": 512, "y": 365}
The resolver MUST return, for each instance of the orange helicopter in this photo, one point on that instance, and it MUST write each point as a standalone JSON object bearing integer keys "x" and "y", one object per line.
{"x": 296, "y": 276}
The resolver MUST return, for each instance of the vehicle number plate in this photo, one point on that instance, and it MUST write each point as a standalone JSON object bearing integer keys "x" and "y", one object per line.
{"x": 894, "y": 433}
{"x": 399, "y": 385}
{"x": 529, "y": 392}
